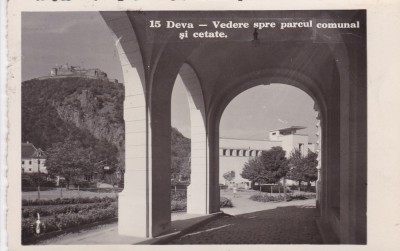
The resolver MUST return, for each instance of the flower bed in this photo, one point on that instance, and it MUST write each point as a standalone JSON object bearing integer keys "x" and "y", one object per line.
{"x": 67, "y": 220}
{"x": 62, "y": 214}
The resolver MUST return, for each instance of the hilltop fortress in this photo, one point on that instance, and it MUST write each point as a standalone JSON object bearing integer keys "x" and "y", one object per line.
{"x": 64, "y": 71}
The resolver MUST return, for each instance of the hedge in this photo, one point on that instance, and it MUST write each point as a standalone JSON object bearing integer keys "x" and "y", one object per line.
{"x": 267, "y": 188}
{"x": 32, "y": 211}
{"x": 267, "y": 198}
{"x": 303, "y": 196}
{"x": 63, "y": 201}
{"x": 180, "y": 205}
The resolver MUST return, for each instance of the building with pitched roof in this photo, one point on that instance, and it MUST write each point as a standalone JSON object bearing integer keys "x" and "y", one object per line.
{"x": 33, "y": 160}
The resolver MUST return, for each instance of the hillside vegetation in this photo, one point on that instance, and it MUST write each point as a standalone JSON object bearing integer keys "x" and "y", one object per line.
{"x": 89, "y": 111}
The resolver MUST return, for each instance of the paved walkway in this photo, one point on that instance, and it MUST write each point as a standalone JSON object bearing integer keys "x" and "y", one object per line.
{"x": 251, "y": 222}
{"x": 108, "y": 233}
{"x": 283, "y": 225}
{"x": 248, "y": 222}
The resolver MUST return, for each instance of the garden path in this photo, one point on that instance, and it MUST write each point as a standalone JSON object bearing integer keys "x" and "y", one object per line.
{"x": 278, "y": 223}
{"x": 252, "y": 223}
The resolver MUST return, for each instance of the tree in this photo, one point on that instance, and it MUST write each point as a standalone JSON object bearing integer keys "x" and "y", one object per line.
{"x": 254, "y": 171}
{"x": 229, "y": 176}
{"x": 303, "y": 168}
{"x": 180, "y": 168}
{"x": 104, "y": 154}
{"x": 69, "y": 160}
{"x": 311, "y": 171}
{"x": 270, "y": 167}
{"x": 180, "y": 157}
{"x": 275, "y": 163}
{"x": 185, "y": 169}
{"x": 296, "y": 166}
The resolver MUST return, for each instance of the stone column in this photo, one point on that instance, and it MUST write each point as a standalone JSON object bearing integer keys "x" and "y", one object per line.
{"x": 353, "y": 187}
{"x": 160, "y": 168}
{"x": 133, "y": 201}
{"x": 213, "y": 169}
{"x": 197, "y": 199}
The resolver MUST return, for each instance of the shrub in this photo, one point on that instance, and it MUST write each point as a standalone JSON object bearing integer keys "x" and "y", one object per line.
{"x": 31, "y": 181}
{"x": 311, "y": 189}
{"x": 178, "y": 205}
{"x": 85, "y": 184}
{"x": 27, "y": 182}
{"x": 48, "y": 183}
{"x": 225, "y": 202}
{"x": 262, "y": 197}
{"x": 27, "y": 228}
{"x": 178, "y": 195}
{"x": 223, "y": 187}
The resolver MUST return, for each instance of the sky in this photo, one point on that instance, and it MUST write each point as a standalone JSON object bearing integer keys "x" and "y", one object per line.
{"x": 55, "y": 38}
{"x": 51, "y": 38}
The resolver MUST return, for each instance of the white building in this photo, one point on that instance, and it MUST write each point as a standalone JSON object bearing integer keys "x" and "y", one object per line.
{"x": 234, "y": 153}
{"x": 33, "y": 159}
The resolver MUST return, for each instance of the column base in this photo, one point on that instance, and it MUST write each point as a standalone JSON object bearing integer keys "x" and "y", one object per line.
{"x": 196, "y": 200}
{"x": 132, "y": 215}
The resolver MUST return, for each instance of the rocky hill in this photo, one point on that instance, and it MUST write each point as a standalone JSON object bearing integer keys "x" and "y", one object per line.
{"x": 87, "y": 110}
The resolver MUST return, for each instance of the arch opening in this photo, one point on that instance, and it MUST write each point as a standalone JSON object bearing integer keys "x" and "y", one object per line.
{"x": 251, "y": 111}
{"x": 196, "y": 179}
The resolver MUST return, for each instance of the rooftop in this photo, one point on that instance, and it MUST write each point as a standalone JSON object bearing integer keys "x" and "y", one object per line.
{"x": 290, "y": 128}
{"x": 28, "y": 150}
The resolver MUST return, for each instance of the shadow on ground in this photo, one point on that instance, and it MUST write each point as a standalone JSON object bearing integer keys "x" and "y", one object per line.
{"x": 282, "y": 225}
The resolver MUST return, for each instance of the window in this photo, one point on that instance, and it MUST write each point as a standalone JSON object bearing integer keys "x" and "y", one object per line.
{"x": 23, "y": 162}
{"x": 274, "y": 133}
{"x": 30, "y": 169}
{"x": 301, "y": 147}
{"x": 30, "y": 162}
{"x": 38, "y": 161}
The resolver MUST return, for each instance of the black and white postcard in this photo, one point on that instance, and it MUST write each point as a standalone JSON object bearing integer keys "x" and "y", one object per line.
{"x": 229, "y": 124}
